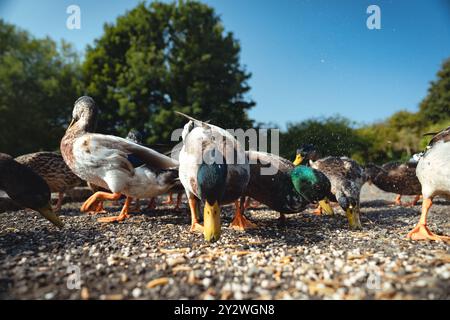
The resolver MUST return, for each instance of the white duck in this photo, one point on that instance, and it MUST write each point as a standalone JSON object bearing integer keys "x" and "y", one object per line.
{"x": 214, "y": 169}
{"x": 107, "y": 161}
{"x": 433, "y": 171}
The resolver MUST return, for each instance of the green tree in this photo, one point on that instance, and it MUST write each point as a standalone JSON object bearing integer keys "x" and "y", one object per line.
{"x": 334, "y": 136}
{"x": 162, "y": 57}
{"x": 436, "y": 105}
{"x": 39, "y": 82}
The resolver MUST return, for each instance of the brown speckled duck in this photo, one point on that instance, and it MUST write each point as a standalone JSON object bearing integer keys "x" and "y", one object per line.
{"x": 52, "y": 168}
{"x": 346, "y": 177}
{"x": 396, "y": 177}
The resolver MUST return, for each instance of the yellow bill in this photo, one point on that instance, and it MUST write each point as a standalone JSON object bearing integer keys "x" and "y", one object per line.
{"x": 48, "y": 213}
{"x": 298, "y": 160}
{"x": 353, "y": 217}
{"x": 326, "y": 207}
{"x": 211, "y": 222}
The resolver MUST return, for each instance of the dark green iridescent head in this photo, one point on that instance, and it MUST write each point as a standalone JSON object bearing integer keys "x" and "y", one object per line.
{"x": 311, "y": 184}
{"x": 211, "y": 181}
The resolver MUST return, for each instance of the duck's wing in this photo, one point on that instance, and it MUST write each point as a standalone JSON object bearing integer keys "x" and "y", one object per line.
{"x": 102, "y": 146}
{"x": 354, "y": 171}
{"x": 343, "y": 173}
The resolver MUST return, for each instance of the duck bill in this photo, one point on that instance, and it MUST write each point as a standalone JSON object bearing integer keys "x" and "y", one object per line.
{"x": 48, "y": 214}
{"x": 353, "y": 217}
{"x": 326, "y": 207}
{"x": 298, "y": 160}
{"x": 211, "y": 219}
{"x": 71, "y": 124}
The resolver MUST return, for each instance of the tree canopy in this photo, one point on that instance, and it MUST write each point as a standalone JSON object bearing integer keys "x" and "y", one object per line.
{"x": 162, "y": 57}
{"x": 436, "y": 106}
{"x": 39, "y": 81}
{"x": 333, "y": 136}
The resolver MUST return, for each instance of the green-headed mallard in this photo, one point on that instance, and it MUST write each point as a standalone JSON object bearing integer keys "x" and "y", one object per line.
{"x": 433, "y": 171}
{"x": 283, "y": 187}
{"x": 106, "y": 161}
{"x": 213, "y": 169}
{"x": 26, "y": 187}
{"x": 51, "y": 167}
{"x": 396, "y": 177}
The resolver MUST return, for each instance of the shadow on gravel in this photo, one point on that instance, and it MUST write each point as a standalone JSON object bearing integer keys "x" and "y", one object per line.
{"x": 374, "y": 203}
{"x": 389, "y": 218}
{"x": 35, "y": 241}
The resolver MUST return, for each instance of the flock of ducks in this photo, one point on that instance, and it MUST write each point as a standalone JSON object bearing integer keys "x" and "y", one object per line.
{"x": 214, "y": 169}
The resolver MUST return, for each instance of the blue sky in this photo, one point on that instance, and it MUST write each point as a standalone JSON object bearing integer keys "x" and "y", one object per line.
{"x": 308, "y": 58}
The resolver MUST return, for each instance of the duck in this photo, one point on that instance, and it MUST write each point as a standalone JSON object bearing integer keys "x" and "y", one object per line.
{"x": 306, "y": 154}
{"x": 26, "y": 188}
{"x": 136, "y": 137}
{"x": 213, "y": 170}
{"x": 107, "y": 161}
{"x": 52, "y": 168}
{"x": 433, "y": 172}
{"x": 396, "y": 177}
{"x": 284, "y": 187}
{"x": 346, "y": 177}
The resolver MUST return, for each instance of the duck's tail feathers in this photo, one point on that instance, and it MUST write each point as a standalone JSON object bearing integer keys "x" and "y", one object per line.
{"x": 197, "y": 122}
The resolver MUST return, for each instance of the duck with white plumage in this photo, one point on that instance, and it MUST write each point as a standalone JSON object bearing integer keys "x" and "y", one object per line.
{"x": 433, "y": 171}
{"x": 109, "y": 162}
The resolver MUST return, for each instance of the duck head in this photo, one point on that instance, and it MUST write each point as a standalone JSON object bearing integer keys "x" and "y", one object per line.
{"x": 27, "y": 188}
{"x": 351, "y": 207}
{"x": 84, "y": 114}
{"x": 312, "y": 185}
{"x": 135, "y": 136}
{"x": 305, "y": 153}
{"x": 211, "y": 181}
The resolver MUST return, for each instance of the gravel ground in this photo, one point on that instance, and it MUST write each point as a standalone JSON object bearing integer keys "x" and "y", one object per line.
{"x": 153, "y": 255}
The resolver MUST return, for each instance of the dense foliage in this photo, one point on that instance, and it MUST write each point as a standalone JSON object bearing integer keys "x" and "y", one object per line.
{"x": 38, "y": 84}
{"x": 164, "y": 57}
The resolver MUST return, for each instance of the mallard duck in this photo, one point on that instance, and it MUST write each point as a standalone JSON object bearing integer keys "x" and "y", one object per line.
{"x": 433, "y": 171}
{"x": 283, "y": 187}
{"x": 51, "y": 167}
{"x": 104, "y": 160}
{"x": 214, "y": 170}
{"x": 396, "y": 177}
{"x": 26, "y": 187}
{"x": 347, "y": 178}
{"x": 305, "y": 154}
{"x": 136, "y": 137}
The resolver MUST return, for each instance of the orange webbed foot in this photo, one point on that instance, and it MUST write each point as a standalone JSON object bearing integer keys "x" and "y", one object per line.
{"x": 421, "y": 232}
{"x": 197, "y": 227}
{"x": 241, "y": 223}
{"x": 118, "y": 218}
{"x": 90, "y": 205}
{"x": 98, "y": 209}
{"x": 318, "y": 211}
{"x": 122, "y": 216}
